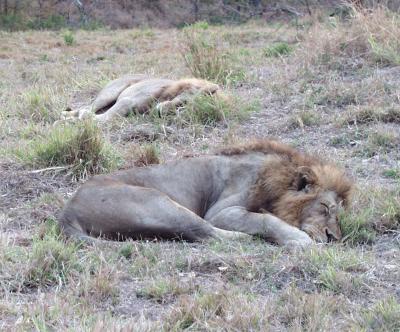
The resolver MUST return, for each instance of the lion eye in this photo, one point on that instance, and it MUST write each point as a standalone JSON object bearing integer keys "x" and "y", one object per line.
{"x": 307, "y": 188}
{"x": 326, "y": 209}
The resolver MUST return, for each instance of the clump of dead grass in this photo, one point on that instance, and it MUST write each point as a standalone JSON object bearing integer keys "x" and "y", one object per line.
{"x": 228, "y": 310}
{"x": 379, "y": 142}
{"x": 164, "y": 289}
{"x": 101, "y": 283}
{"x": 80, "y": 148}
{"x": 368, "y": 114}
{"x": 304, "y": 119}
{"x": 372, "y": 35}
{"x": 299, "y": 311}
{"x": 148, "y": 154}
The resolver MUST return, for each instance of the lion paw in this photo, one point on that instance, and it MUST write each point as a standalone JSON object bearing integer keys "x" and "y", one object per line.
{"x": 302, "y": 241}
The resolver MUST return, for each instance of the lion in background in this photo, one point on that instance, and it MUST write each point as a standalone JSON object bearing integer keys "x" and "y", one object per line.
{"x": 262, "y": 188}
{"x": 137, "y": 93}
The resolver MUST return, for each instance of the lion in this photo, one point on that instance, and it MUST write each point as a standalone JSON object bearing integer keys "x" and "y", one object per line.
{"x": 263, "y": 188}
{"x": 137, "y": 93}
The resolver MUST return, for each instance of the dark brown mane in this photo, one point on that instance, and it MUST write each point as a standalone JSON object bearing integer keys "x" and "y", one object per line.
{"x": 279, "y": 187}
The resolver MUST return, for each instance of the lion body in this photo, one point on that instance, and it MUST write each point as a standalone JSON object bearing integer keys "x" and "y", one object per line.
{"x": 237, "y": 191}
{"x": 137, "y": 93}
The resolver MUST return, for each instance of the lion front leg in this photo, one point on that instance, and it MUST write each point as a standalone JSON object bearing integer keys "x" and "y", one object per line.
{"x": 237, "y": 218}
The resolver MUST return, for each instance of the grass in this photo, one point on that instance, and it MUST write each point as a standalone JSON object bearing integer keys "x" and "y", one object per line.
{"x": 205, "y": 57}
{"x": 126, "y": 250}
{"x": 368, "y": 115}
{"x": 147, "y": 154}
{"x": 163, "y": 290}
{"x": 51, "y": 261}
{"x": 40, "y": 104}
{"x": 79, "y": 148}
{"x": 209, "y": 110}
{"x": 227, "y": 309}
{"x": 363, "y": 38}
{"x": 297, "y": 310}
{"x": 277, "y": 50}
{"x": 333, "y": 269}
{"x": 304, "y": 119}
{"x": 389, "y": 213}
{"x": 69, "y": 38}
{"x": 378, "y": 142}
{"x": 375, "y": 216}
{"x": 383, "y": 316}
{"x": 392, "y": 173}
{"x": 357, "y": 228}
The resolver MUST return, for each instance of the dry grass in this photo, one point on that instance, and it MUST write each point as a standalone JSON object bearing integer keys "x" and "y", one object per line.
{"x": 206, "y": 58}
{"x": 368, "y": 114}
{"x": 340, "y": 80}
{"x": 344, "y": 44}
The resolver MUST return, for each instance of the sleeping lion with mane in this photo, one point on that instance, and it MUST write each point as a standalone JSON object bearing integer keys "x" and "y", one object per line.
{"x": 264, "y": 188}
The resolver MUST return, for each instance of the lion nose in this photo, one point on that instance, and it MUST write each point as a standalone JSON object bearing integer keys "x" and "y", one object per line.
{"x": 331, "y": 236}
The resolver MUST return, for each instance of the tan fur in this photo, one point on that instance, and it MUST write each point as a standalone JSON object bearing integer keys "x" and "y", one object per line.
{"x": 262, "y": 188}
{"x": 187, "y": 84}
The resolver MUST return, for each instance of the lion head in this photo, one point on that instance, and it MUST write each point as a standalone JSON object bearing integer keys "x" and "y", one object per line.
{"x": 304, "y": 191}
{"x": 313, "y": 200}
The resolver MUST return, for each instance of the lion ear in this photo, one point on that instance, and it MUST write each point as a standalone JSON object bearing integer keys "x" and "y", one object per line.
{"x": 305, "y": 178}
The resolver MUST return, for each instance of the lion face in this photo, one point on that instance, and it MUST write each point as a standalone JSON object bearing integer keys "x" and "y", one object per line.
{"x": 319, "y": 219}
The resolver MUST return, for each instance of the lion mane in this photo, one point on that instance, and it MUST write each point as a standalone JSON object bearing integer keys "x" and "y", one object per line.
{"x": 281, "y": 189}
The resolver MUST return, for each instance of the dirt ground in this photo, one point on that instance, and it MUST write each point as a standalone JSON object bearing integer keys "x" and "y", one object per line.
{"x": 48, "y": 284}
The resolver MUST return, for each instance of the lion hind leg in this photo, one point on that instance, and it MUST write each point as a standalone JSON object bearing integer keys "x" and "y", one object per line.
{"x": 120, "y": 211}
{"x": 113, "y": 89}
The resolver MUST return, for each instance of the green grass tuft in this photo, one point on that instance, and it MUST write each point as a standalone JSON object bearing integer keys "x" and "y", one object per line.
{"x": 69, "y": 38}
{"x": 50, "y": 260}
{"x": 393, "y": 173}
{"x": 81, "y": 148}
{"x": 126, "y": 250}
{"x": 205, "y": 57}
{"x": 277, "y": 50}
{"x": 356, "y": 227}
